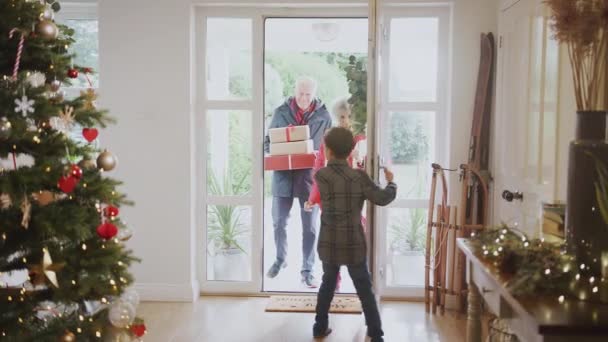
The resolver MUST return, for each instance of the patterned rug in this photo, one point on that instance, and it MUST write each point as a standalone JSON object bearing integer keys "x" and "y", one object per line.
{"x": 346, "y": 305}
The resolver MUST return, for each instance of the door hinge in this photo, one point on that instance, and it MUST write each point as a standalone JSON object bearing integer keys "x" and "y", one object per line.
{"x": 500, "y": 42}
{"x": 385, "y": 33}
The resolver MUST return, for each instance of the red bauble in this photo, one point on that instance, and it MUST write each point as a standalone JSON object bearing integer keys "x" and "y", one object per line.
{"x": 107, "y": 231}
{"x": 72, "y": 73}
{"x": 110, "y": 211}
{"x": 67, "y": 184}
{"x": 138, "y": 330}
{"x": 76, "y": 172}
{"x": 90, "y": 134}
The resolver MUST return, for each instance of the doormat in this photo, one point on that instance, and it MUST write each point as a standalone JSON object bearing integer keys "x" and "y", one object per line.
{"x": 345, "y": 305}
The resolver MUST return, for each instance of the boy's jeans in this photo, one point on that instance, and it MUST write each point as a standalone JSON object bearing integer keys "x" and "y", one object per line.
{"x": 362, "y": 280}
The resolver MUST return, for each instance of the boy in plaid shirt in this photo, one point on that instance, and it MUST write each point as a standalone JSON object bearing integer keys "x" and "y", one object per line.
{"x": 342, "y": 241}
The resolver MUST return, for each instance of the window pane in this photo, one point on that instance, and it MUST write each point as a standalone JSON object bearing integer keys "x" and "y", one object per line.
{"x": 229, "y": 163}
{"x": 413, "y": 59}
{"x": 86, "y": 49}
{"x": 228, "y": 58}
{"x": 412, "y": 146}
{"x": 406, "y": 244}
{"x": 228, "y": 243}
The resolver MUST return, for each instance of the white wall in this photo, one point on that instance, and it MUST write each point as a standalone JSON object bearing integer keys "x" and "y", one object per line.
{"x": 145, "y": 82}
{"x": 471, "y": 18}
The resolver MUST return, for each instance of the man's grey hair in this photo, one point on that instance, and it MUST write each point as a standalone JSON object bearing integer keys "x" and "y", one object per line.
{"x": 308, "y": 81}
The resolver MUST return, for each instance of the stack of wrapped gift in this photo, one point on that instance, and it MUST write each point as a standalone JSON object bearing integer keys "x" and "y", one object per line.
{"x": 290, "y": 149}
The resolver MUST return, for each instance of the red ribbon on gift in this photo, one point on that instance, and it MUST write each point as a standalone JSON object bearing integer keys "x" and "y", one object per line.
{"x": 288, "y": 130}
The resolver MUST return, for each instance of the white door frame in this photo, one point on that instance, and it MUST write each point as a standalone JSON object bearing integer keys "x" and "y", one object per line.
{"x": 442, "y": 11}
{"x": 255, "y": 199}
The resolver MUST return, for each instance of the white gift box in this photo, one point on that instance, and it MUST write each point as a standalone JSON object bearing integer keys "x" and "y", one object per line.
{"x": 295, "y": 147}
{"x": 289, "y": 134}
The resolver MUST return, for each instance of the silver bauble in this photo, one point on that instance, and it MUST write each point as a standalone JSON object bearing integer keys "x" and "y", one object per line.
{"x": 55, "y": 85}
{"x": 124, "y": 234}
{"x": 47, "y": 13}
{"x": 121, "y": 314}
{"x": 106, "y": 161}
{"x": 47, "y": 29}
{"x": 5, "y": 128}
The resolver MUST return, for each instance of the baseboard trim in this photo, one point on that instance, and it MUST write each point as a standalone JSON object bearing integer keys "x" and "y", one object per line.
{"x": 158, "y": 292}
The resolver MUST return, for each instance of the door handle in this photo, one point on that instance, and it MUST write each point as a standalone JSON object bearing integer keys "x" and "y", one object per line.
{"x": 510, "y": 196}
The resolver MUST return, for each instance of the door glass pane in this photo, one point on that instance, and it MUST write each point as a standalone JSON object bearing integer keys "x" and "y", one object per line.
{"x": 86, "y": 49}
{"x": 534, "y": 107}
{"x": 413, "y": 59}
{"x": 406, "y": 241}
{"x": 229, "y": 158}
{"x": 228, "y": 243}
{"x": 412, "y": 147}
{"x": 229, "y": 58}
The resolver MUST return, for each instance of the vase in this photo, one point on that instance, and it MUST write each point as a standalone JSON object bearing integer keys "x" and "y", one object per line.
{"x": 586, "y": 232}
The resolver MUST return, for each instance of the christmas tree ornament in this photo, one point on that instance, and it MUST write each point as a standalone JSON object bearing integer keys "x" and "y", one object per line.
{"x": 110, "y": 211}
{"x": 90, "y": 134}
{"x": 68, "y": 336}
{"x": 43, "y": 197}
{"x": 87, "y": 164}
{"x": 138, "y": 329}
{"x": 124, "y": 234}
{"x": 5, "y": 128}
{"x": 64, "y": 121}
{"x": 89, "y": 97}
{"x": 24, "y": 105}
{"x": 131, "y": 296}
{"x": 72, "y": 73}
{"x": 47, "y": 13}
{"x": 19, "y": 50}
{"x": 76, "y": 172}
{"x": 106, "y": 161}
{"x": 55, "y": 6}
{"x": 107, "y": 230}
{"x": 47, "y": 29}
{"x": 5, "y": 201}
{"x": 67, "y": 184}
{"x": 121, "y": 314}
{"x": 55, "y": 85}
{"x": 45, "y": 270}
{"x": 36, "y": 79}
{"x": 26, "y": 210}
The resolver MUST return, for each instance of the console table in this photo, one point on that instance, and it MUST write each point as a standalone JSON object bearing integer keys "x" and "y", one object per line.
{"x": 536, "y": 319}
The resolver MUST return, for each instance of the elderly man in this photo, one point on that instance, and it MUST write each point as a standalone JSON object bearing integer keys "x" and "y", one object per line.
{"x": 301, "y": 109}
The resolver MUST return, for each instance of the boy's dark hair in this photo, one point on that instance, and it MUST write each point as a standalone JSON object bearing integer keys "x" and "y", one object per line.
{"x": 340, "y": 141}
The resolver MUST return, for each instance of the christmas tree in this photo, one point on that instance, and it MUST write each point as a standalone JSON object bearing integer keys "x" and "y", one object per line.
{"x": 60, "y": 229}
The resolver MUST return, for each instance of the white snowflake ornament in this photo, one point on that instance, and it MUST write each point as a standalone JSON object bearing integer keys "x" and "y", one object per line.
{"x": 36, "y": 79}
{"x": 24, "y": 105}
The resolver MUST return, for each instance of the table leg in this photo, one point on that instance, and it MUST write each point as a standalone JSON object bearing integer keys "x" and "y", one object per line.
{"x": 474, "y": 314}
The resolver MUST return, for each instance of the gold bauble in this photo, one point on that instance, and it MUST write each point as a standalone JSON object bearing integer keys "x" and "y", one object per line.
{"x": 47, "y": 29}
{"x": 87, "y": 164}
{"x": 68, "y": 337}
{"x": 106, "y": 161}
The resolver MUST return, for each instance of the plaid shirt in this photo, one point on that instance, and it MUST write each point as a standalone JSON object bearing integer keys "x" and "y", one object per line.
{"x": 343, "y": 192}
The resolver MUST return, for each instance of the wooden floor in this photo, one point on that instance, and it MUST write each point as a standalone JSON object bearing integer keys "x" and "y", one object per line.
{"x": 221, "y": 319}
